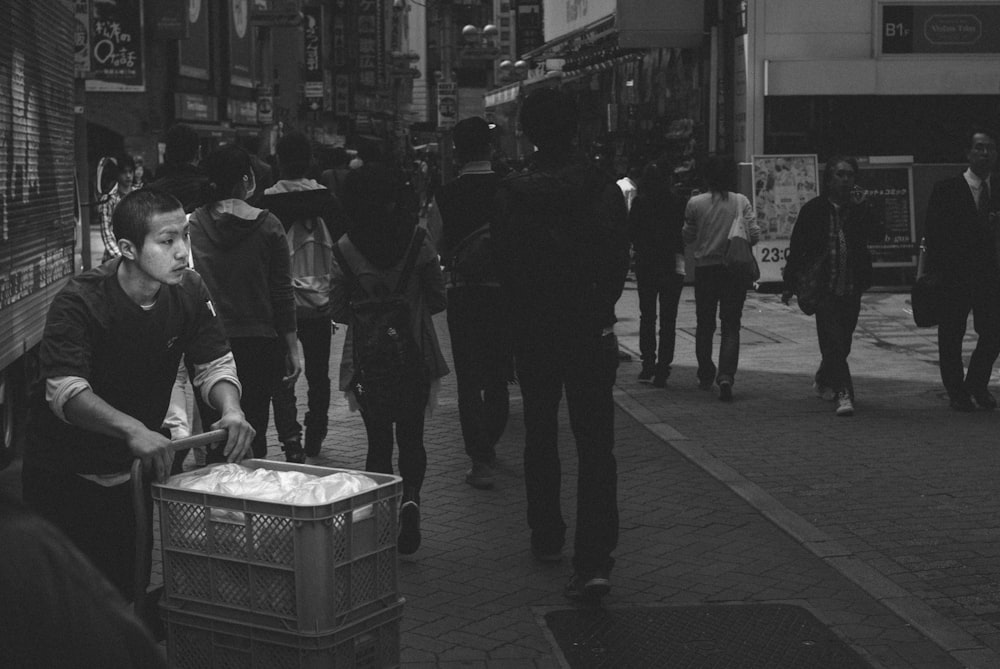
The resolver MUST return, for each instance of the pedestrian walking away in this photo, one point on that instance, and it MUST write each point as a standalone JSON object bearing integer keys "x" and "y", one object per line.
{"x": 963, "y": 214}
{"x": 562, "y": 250}
{"x": 831, "y": 237}
{"x": 477, "y": 321}
{"x": 122, "y": 169}
{"x": 180, "y": 174}
{"x": 312, "y": 219}
{"x": 383, "y": 260}
{"x": 708, "y": 219}
{"x": 109, "y": 355}
{"x": 242, "y": 254}
{"x": 655, "y": 223}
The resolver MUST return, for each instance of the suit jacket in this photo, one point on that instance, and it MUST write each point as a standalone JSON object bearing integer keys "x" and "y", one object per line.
{"x": 960, "y": 246}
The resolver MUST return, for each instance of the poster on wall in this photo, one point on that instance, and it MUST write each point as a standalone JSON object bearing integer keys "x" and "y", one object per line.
{"x": 889, "y": 190}
{"x": 116, "y": 47}
{"x": 782, "y": 184}
{"x": 240, "y": 45}
{"x": 192, "y": 53}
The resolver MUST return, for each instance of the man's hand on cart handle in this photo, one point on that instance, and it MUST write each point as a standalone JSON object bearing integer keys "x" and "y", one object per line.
{"x": 240, "y": 436}
{"x": 155, "y": 450}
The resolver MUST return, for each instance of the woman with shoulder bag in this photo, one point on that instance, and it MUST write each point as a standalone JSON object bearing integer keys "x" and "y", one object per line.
{"x": 829, "y": 267}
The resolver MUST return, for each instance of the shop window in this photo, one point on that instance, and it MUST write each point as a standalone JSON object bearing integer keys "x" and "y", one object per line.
{"x": 931, "y": 128}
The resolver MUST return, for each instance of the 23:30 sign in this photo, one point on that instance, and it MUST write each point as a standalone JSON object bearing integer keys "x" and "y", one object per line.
{"x": 773, "y": 254}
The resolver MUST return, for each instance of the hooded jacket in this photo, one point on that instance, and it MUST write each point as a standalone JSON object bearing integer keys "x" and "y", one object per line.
{"x": 562, "y": 246}
{"x": 241, "y": 253}
{"x": 296, "y": 199}
{"x": 184, "y": 181}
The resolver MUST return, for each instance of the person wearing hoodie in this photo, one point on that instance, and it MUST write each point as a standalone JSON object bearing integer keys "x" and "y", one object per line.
{"x": 562, "y": 251}
{"x": 241, "y": 253}
{"x": 382, "y": 218}
{"x": 312, "y": 219}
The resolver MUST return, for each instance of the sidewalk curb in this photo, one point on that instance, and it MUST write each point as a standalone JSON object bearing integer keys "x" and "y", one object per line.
{"x": 938, "y": 629}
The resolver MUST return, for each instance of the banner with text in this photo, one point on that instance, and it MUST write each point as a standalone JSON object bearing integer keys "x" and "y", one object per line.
{"x": 782, "y": 184}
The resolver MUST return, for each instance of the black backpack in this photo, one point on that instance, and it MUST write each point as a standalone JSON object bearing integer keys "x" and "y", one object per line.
{"x": 390, "y": 378}
{"x": 473, "y": 259}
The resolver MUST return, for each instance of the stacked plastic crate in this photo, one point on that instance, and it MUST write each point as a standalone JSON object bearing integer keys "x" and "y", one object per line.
{"x": 250, "y": 583}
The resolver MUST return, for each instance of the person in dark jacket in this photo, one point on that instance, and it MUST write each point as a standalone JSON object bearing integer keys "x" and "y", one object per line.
{"x": 241, "y": 253}
{"x": 834, "y": 229}
{"x": 562, "y": 250}
{"x": 961, "y": 230}
{"x": 655, "y": 223}
{"x": 180, "y": 175}
{"x": 477, "y": 322}
{"x": 302, "y": 205}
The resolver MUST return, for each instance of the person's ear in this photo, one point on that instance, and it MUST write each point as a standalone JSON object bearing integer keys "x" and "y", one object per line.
{"x": 128, "y": 249}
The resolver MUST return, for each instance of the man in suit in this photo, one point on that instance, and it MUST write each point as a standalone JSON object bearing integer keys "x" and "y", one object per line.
{"x": 961, "y": 232}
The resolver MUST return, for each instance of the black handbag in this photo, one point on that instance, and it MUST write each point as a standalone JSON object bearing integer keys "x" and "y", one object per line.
{"x": 812, "y": 285}
{"x": 929, "y": 294}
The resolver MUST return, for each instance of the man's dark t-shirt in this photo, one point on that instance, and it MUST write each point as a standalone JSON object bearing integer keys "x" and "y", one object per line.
{"x": 128, "y": 354}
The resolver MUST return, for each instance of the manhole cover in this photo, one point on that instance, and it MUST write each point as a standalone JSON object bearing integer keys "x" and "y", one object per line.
{"x": 764, "y": 636}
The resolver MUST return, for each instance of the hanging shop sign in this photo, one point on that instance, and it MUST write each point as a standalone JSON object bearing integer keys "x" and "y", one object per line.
{"x": 116, "y": 47}
{"x": 782, "y": 184}
{"x": 312, "y": 44}
{"x": 193, "y": 52}
{"x": 888, "y": 188}
{"x": 193, "y": 107}
{"x": 447, "y": 104}
{"x": 921, "y": 28}
{"x": 81, "y": 38}
{"x": 240, "y": 45}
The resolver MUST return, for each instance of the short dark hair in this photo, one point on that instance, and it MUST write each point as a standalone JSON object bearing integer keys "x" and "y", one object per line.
{"x": 294, "y": 155}
{"x": 472, "y": 138}
{"x": 550, "y": 119}
{"x": 720, "y": 174}
{"x": 181, "y": 144}
{"x": 226, "y": 167}
{"x": 133, "y": 214}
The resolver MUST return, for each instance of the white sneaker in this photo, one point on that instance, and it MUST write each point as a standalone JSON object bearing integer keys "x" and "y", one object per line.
{"x": 845, "y": 407}
{"x": 824, "y": 392}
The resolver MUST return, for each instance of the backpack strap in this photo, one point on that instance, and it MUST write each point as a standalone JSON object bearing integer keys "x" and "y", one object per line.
{"x": 411, "y": 259}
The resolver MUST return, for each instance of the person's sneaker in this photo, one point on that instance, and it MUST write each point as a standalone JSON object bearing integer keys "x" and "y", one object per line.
{"x": 588, "y": 587}
{"x": 824, "y": 392}
{"x": 313, "y": 445}
{"x": 962, "y": 403}
{"x": 294, "y": 451}
{"x": 646, "y": 374}
{"x": 985, "y": 399}
{"x": 726, "y": 391}
{"x": 845, "y": 406}
{"x": 480, "y": 476}
{"x": 409, "y": 528}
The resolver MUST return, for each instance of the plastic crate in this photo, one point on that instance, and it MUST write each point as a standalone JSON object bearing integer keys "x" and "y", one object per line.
{"x": 308, "y": 569}
{"x": 205, "y": 642}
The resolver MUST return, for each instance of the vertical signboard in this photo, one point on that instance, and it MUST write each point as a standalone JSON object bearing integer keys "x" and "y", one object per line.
{"x": 240, "y": 44}
{"x": 369, "y": 48}
{"x": 81, "y": 37}
{"x": 193, "y": 52}
{"x": 116, "y": 47}
{"x": 312, "y": 43}
{"x": 782, "y": 184}
{"x": 447, "y": 104}
{"x": 888, "y": 189}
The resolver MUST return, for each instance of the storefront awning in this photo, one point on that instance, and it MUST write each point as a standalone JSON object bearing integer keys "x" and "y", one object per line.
{"x": 502, "y": 95}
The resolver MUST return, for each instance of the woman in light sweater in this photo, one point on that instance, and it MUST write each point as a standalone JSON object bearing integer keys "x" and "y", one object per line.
{"x": 708, "y": 219}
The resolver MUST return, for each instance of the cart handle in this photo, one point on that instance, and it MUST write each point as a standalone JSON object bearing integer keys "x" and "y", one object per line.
{"x": 142, "y": 541}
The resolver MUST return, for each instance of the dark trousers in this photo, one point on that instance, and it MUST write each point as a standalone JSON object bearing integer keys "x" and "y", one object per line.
{"x": 481, "y": 349}
{"x": 99, "y": 520}
{"x": 409, "y": 437}
{"x": 315, "y": 335}
{"x": 717, "y": 292}
{"x": 585, "y": 366}
{"x": 981, "y": 300}
{"x": 664, "y": 289}
{"x": 259, "y": 367}
{"x": 836, "y": 319}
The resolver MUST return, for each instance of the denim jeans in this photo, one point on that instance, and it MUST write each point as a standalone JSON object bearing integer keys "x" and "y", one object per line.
{"x": 481, "y": 349}
{"x": 717, "y": 292}
{"x": 663, "y": 288}
{"x": 259, "y": 364}
{"x": 836, "y": 319}
{"x": 409, "y": 437}
{"x": 314, "y": 335}
{"x": 585, "y": 366}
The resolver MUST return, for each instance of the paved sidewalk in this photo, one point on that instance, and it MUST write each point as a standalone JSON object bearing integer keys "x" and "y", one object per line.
{"x": 882, "y": 525}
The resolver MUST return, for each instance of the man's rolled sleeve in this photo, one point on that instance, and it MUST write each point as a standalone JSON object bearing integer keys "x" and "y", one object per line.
{"x": 206, "y": 375}
{"x": 62, "y": 389}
